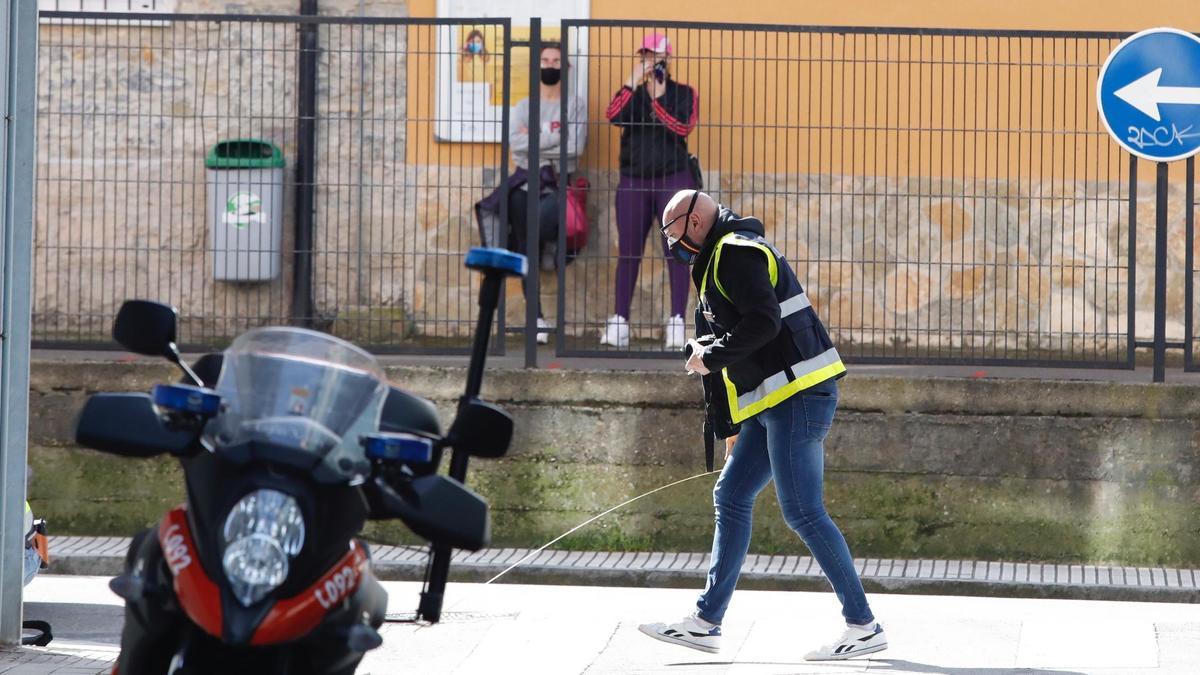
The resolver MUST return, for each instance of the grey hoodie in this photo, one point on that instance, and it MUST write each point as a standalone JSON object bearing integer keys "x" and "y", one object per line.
{"x": 551, "y": 136}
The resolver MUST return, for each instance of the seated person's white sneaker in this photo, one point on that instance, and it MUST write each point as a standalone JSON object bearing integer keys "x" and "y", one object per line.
{"x": 855, "y": 641}
{"x": 691, "y": 631}
{"x": 616, "y": 332}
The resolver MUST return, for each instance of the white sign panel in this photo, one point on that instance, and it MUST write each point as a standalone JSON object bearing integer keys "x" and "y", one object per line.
{"x": 471, "y": 63}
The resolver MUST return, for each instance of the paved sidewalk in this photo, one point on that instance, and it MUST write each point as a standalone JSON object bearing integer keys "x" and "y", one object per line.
{"x": 563, "y": 630}
{"x": 105, "y": 555}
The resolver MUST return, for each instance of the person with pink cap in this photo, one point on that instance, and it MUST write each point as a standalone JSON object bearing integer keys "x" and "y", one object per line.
{"x": 656, "y": 114}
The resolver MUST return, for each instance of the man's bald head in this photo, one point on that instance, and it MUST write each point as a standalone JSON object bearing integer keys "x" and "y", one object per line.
{"x": 698, "y": 225}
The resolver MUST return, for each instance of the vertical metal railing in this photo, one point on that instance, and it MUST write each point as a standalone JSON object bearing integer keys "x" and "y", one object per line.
{"x": 948, "y": 196}
{"x": 389, "y": 136}
{"x": 1189, "y": 268}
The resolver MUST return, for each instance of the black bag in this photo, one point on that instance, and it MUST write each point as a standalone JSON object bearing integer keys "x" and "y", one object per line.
{"x": 697, "y": 175}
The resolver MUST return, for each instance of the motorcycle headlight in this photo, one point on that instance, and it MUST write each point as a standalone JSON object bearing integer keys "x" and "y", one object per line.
{"x": 263, "y": 532}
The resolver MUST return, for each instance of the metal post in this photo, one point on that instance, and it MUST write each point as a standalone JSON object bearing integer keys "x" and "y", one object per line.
{"x": 1160, "y": 273}
{"x": 1189, "y": 262}
{"x": 438, "y": 574}
{"x": 306, "y": 153}
{"x": 18, "y": 70}
{"x": 1131, "y": 287}
{"x": 505, "y": 154}
{"x": 564, "y": 183}
{"x": 533, "y": 289}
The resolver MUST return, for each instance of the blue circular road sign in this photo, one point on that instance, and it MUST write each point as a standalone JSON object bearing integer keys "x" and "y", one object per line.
{"x": 1148, "y": 94}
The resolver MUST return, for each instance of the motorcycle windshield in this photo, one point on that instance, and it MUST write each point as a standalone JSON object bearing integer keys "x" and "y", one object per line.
{"x": 300, "y": 392}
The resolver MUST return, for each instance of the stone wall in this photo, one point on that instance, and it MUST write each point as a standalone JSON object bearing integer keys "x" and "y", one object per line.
{"x": 1010, "y": 268}
{"x": 916, "y": 468}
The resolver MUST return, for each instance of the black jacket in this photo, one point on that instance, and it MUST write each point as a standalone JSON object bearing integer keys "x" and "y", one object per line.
{"x": 751, "y": 339}
{"x": 654, "y": 132}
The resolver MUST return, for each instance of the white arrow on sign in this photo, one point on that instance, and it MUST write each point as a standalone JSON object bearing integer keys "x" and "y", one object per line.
{"x": 1145, "y": 94}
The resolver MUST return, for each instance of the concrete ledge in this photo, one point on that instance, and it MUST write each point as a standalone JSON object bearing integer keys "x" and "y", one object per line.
{"x": 104, "y": 556}
{"x": 916, "y": 467}
{"x": 673, "y": 389}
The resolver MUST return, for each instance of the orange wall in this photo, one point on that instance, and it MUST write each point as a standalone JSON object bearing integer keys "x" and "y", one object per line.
{"x": 1102, "y": 15}
{"x": 866, "y": 105}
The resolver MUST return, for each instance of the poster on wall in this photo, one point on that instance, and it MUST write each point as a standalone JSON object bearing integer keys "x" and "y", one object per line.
{"x": 471, "y": 63}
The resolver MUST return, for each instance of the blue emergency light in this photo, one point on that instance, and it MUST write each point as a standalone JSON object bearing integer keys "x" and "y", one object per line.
{"x": 398, "y": 447}
{"x": 497, "y": 260}
{"x": 187, "y": 398}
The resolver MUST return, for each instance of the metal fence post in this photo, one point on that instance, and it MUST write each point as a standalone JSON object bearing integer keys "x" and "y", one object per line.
{"x": 564, "y": 184}
{"x": 533, "y": 286}
{"x": 18, "y": 70}
{"x": 1189, "y": 277}
{"x": 1160, "y": 272}
{"x": 306, "y": 159}
{"x": 1131, "y": 287}
{"x": 501, "y": 343}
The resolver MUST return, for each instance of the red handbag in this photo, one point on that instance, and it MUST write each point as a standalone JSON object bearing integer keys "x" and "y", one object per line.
{"x": 577, "y": 222}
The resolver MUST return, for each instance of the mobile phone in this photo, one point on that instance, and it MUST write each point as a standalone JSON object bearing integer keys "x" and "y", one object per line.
{"x": 660, "y": 71}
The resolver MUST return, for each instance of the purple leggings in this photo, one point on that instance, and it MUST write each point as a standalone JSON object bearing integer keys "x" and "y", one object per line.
{"x": 640, "y": 203}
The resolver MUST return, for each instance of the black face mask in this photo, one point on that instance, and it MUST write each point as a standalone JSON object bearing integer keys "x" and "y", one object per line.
{"x": 551, "y": 76}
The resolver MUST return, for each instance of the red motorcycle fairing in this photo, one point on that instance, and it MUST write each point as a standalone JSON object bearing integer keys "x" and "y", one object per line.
{"x": 294, "y": 617}
{"x": 288, "y": 620}
{"x": 198, "y": 595}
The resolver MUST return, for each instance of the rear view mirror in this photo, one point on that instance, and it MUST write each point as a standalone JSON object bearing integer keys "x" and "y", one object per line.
{"x": 482, "y": 429}
{"x": 441, "y": 510}
{"x": 405, "y": 412}
{"x": 128, "y": 425}
{"x": 145, "y": 327}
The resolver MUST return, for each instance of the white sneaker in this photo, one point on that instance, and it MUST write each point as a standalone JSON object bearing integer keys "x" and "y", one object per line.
{"x": 616, "y": 332}
{"x": 855, "y": 641}
{"x": 687, "y": 633}
{"x": 675, "y": 333}
{"x": 543, "y": 337}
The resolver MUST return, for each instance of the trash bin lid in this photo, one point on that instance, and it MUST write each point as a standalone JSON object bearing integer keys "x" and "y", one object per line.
{"x": 244, "y": 153}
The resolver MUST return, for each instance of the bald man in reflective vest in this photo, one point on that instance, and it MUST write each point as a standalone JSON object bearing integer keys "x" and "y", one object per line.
{"x": 771, "y": 373}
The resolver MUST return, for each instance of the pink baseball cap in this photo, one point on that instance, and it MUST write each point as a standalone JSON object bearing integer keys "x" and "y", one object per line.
{"x": 657, "y": 43}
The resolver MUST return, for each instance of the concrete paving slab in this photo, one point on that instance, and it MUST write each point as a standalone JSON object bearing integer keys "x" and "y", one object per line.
{"x": 1099, "y": 643}
{"x": 571, "y": 629}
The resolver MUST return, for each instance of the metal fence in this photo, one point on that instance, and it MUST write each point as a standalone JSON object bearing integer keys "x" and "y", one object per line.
{"x": 946, "y": 196}
{"x": 376, "y": 212}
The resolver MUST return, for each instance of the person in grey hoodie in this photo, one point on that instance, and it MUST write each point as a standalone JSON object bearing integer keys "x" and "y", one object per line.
{"x": 516, "y": 191}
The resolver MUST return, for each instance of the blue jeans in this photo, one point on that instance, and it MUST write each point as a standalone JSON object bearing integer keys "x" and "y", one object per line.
{"x": 783, "y": 443}
{"x": 33, "y": 563}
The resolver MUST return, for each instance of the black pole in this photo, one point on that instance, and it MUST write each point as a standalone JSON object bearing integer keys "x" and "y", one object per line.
{"x": 564, "y": 189}
{"x": 1189, "y": 261}
{"x": 489, "y": 299}
{"x": 505, "y": 156}
{"x": 306, "y": 152}
{"x": 432, "y": 596}
{"x": 1131, "y": 287}
{"x": 533, "y": 243}
{"x": 1160, "y": 273}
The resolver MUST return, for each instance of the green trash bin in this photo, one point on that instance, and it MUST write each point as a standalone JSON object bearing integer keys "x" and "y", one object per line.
{"x": 245, "y": 207}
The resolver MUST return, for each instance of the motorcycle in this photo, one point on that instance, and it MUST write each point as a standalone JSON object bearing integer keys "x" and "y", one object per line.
{"x": 290, "y": 440}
